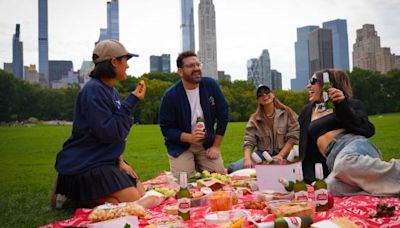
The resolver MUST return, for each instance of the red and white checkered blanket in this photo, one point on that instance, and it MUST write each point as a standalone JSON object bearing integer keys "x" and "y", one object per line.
{"x": 357, "y": 208}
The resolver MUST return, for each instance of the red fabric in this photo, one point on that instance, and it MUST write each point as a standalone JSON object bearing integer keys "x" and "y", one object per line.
{"x": 356, "y": 208}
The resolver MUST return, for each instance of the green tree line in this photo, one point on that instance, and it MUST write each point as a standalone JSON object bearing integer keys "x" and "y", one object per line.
{"x": 19, "y": 100}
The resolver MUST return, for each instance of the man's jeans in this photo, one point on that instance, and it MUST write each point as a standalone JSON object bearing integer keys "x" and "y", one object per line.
{"x": 357, "y": 169}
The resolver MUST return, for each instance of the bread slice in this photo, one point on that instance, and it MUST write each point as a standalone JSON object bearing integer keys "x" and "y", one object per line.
{"x": 294, "y": 208}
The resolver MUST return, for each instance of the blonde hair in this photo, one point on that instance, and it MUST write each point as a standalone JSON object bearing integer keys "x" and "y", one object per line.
{"x": 277, "y": 104}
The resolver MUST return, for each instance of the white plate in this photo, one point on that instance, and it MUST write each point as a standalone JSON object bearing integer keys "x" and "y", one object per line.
{"x": 224, "y": 217}
{"x": 243, "y": 172}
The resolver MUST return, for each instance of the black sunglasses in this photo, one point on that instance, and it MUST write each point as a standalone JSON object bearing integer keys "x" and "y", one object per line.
{"x": 313, "y": 80}
{"x": 262, "y": 92}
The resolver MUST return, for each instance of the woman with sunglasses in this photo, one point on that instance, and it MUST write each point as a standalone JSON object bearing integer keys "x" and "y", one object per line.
{"x": 337, "y": 138}
{"x": 272, "y": 128}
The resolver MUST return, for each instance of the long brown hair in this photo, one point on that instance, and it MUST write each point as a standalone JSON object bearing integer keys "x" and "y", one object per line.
{"x": 339, "y": 79}
{"x": 277, "y": 104}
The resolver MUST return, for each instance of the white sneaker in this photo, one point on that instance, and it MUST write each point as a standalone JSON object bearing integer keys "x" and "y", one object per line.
{"x": 60, "y": 200}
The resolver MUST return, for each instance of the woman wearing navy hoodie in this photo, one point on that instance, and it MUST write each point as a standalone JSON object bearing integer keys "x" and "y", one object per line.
{"x": 90, "y": 165}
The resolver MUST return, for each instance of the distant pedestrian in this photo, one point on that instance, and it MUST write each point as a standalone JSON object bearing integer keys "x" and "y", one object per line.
{"x": 90, "y": 165}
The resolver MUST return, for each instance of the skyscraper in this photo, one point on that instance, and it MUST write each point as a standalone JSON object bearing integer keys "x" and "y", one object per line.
{"x": 320, "y": 50}
{"x": 259, "y": 70}
{"x": 112, "y": 30}
{"x": 276, "y": 77}
{"x": 113, "y": 19}
{"x": 43, "y": 42}
{"x": 58, "y": 69}
{"x": 368, "y": 53}
{"x": 340, "y": 43}
{"x": 265, "y": 68}
{"x": 253, "y": 71}
{"x": 187, "y": 25}
{"x": 18, "y": 57}
{"x": 160, "y": 63}
{"x": 208, "y": 39}
{"x": 301, "y": 56}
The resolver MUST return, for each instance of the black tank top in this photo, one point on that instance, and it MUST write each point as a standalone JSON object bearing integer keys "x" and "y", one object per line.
{"x": 322, "y": 125}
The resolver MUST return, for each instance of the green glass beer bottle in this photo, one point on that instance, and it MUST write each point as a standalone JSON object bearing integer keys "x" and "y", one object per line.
{"x": 183, "y": 198}
{"x": 288, "y": 222}
{"x": 288, "y": 185}
{"x": 320, "y": 189}
{"x": 325, "y": 87}
{"x": 299, "y": 188}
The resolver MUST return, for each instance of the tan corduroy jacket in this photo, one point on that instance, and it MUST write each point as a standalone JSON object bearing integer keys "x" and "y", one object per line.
{"x": 258, "y": 134}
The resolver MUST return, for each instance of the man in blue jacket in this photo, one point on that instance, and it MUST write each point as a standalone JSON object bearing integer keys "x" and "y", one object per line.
{"x": 192, "y": 147}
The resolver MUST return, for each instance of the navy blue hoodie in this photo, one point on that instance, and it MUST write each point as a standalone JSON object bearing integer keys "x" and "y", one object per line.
{"x": 101, "y": 124}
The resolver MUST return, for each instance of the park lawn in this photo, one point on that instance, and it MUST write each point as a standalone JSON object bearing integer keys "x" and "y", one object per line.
{"x": 27, "y": 157}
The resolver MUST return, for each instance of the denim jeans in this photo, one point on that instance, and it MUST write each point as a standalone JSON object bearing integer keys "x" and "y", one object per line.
{"x": 237, "y": 165}
{"x": 357, "y": 169}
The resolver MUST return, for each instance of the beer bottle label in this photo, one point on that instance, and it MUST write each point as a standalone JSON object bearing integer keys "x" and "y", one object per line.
{"x": 293, "y": 222}
{"x": 321, "y": 197}
{"x": 184, "y": 205}
{"x": 301, "y": 196}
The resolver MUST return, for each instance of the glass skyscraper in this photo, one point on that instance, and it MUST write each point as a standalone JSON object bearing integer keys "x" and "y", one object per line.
{"x": 320, "y": 50}
{"x": 259, "y": 70}
{"x": 112, "y": 30}
{"x": 187, "y": 25}
{"x": 302, "y": 58}
{"x": 340, "y": 42}
{"x": 18, "y": 57}
{"x": 160, "y": 63}
{"x": 43, "y": 42}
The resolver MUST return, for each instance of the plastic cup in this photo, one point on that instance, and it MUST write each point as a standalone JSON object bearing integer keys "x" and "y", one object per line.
{"x": 221, "y": 201}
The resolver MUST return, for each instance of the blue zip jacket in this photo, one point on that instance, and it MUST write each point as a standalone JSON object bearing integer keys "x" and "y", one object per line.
{"x": 101, "y": 125}
{"x": 175, "y": 114}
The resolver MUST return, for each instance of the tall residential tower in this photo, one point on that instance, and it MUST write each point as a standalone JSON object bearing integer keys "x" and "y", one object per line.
{"x": 112, "y": 30}
{"x": 320, "y": 50}
{"x": 259, "y": 70}
{"x": 18, "y": 57}
{"x": 340, "y": 43}
{"x": 208, "y": 39}
{"x": 187, "y": 25}
{"x": 43, "y": 43}
{"x": 301, "y": 56}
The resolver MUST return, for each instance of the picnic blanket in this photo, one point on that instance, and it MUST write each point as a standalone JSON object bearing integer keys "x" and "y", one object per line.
{"x": 357, "y": 208}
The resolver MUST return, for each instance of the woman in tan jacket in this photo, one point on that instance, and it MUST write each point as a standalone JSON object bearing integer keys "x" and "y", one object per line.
{"x": 272, "y": 128}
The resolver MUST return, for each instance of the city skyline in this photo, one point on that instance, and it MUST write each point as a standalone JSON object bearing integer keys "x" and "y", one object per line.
{"x": 151, "y": 27}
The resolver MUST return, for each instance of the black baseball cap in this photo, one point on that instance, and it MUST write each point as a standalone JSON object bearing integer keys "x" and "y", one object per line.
{"x": 262, "y": 86}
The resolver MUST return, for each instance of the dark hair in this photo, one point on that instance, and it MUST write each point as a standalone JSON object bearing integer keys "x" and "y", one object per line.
{"x": 182, "y": 56}
{"x": 339, "y": 79}
{"x": 103, "y": 69}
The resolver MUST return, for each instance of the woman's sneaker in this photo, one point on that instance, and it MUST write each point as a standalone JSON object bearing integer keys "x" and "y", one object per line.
{"x": 58, "y": 200}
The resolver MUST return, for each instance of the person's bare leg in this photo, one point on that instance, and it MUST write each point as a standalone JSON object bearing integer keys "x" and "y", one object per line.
{"x": 106, "y": 199}
{"x": 129, "y": 194}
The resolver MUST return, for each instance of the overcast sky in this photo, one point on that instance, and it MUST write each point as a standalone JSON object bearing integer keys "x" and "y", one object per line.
{"x": 151, "y": 27}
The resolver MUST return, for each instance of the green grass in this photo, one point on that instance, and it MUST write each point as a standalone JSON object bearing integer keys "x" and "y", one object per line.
{"x": 27, "y": 158}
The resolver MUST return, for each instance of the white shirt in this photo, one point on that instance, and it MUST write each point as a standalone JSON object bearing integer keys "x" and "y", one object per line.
{"x": 195, "y": 107}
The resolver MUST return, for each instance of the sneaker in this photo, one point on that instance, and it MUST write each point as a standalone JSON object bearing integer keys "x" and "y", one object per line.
{"x": 58, "y": 201}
